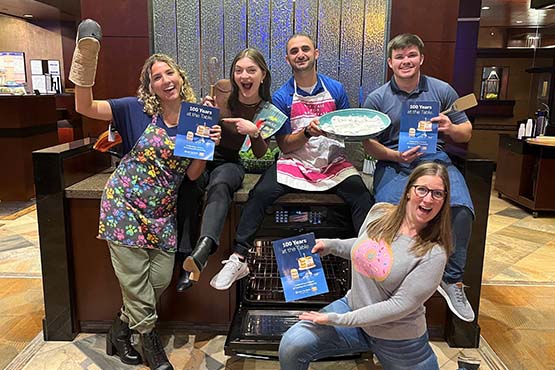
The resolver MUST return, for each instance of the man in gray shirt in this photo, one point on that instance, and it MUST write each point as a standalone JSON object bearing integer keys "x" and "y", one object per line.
{"x": 409, "y": 86}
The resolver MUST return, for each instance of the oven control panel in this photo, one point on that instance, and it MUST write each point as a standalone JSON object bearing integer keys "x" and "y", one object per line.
{"x": 326, "y": 221}
{"x": 286, "y": 216}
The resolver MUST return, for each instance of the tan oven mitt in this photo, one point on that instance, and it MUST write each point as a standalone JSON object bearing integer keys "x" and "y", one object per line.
{"x": 85, "y": 56}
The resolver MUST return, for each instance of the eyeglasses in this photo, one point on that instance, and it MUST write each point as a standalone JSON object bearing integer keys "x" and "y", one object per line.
{"x": 421, "y": 191}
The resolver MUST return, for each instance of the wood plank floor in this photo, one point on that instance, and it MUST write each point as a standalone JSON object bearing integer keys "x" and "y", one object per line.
{"x": 519, "y": 324}
{"x": 517, "y": 306}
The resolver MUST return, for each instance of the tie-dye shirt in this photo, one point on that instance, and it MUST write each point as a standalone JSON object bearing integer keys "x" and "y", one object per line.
{"x": 389, "y": 283}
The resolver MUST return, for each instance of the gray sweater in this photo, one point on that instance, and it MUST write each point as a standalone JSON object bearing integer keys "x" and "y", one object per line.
{"x": 389, "y": 283}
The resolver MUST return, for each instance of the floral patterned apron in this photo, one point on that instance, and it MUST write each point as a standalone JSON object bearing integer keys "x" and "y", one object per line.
{"x": 138, "y": 202}
{"x": 322, "y": 162}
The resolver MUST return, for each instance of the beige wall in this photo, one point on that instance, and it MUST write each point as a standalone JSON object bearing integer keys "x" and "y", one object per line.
{"x": 38, "y": 42}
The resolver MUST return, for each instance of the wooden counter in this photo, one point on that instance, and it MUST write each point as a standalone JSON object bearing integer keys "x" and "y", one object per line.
{"x": 526, "y": 173}
{"x": 27, "y": 123}
{"x": 80, "y": 278}
{"x": 97, "y": 294}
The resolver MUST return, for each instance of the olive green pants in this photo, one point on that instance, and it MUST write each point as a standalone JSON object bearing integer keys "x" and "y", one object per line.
{"x": 143, "y": 275}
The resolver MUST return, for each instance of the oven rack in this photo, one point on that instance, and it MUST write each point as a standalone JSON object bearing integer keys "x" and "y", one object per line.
{"x": 264, "y": 283}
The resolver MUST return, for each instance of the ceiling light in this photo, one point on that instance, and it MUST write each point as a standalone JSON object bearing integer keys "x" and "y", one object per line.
{"x": 486, "y": 8}
{"x": 27, "y": 16}
{"x": 518, "y": 22}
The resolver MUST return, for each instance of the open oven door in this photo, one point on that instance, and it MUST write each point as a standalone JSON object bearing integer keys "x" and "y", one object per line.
{"x": 262, "y": 315}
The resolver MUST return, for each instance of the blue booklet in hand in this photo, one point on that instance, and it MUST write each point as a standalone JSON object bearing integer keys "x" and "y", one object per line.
{"x": 269, "y": 120}
{"x": 301, "y": 272}
{"x": 416, "y": 128}
{"x": 193, "y": 131}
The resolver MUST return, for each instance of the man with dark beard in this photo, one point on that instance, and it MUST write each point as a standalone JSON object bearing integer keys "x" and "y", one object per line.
{"x": 310, "y": 161}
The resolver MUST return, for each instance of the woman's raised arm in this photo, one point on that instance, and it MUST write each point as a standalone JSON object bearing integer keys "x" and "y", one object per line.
{"x": 83, "y": 71}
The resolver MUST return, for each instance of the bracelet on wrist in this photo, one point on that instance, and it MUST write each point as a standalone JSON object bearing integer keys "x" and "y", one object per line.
{"x": 256, "y": 134}
{"x": 306, "y": 133}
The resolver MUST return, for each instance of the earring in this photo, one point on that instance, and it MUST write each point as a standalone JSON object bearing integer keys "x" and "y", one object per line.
{"x": 262, "y": 82}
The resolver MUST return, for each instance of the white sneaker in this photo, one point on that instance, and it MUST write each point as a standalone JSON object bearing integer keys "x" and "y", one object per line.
{"x": 234, "y": 269}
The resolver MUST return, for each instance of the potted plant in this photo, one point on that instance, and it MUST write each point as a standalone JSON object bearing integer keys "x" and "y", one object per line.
{"x": 258, "y": 165}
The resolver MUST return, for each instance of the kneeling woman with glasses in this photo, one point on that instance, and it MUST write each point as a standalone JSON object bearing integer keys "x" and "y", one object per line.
{"x": 397, "y": 264}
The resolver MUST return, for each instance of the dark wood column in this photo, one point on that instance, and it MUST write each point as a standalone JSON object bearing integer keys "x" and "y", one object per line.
{"x": 435, "y": 21}
{"x": 125, "y": 46}
{"x": 467, "y": 45}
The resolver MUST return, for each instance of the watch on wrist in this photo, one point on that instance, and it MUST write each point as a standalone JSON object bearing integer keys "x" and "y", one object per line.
{"x": 256, "y": 134}
{"x": 306, "y": 133}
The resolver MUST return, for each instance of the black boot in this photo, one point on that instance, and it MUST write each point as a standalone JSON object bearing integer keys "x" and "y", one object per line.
{"x": 198, "y": 259}
{"x": 153, "y": 350}
{"x": 118, "y": 342}
{"x": 183, "y": 281}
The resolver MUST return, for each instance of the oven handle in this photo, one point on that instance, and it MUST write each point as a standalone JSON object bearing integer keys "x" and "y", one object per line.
{"x": 258, "y": 357}
{"x": 346, "y": 357}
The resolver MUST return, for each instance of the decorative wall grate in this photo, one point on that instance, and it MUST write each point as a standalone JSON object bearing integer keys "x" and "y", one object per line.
{"x": 350, "y": 34}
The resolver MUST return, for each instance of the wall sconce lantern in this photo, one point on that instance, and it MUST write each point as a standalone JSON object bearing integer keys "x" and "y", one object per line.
{"x": 491, "y": 84}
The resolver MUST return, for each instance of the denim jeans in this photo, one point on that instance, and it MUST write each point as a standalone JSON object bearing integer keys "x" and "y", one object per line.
{"x": 461, "y": 228}
{"x": 306, "y": 341}
{"x": 267, "y": 190}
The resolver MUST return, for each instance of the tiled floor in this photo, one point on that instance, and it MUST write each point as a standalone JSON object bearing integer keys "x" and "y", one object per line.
{"x": 519, "y": 253}
{"x": 21, "y": 304}
{"x": 518, "y": 293}
{"x": 87, "y": 351}
{"x": 520, "y": 249}
{"x": 519, "y": 319}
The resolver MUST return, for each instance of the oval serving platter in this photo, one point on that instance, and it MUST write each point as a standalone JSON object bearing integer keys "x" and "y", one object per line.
{"x": 374, "y": 121}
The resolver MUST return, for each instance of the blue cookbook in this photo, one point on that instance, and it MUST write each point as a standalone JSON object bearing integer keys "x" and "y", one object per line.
{"x": 193, "y": 131}
{"x": 301, "y": 272}
{"x": 416, "y": 128}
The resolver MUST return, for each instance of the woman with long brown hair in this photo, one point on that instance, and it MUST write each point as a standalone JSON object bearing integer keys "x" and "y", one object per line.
{"x": 239, "y": 99}
{"x": 397, "y": 264}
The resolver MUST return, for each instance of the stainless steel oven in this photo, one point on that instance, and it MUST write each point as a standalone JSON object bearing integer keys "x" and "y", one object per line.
{"x": 262, "y": 315}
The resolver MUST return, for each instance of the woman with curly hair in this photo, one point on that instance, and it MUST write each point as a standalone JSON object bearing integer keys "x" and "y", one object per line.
{"x": 137, "y": 210}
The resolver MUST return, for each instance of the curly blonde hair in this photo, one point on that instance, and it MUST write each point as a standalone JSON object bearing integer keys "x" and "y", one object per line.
{"x": 150, "y": 100}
